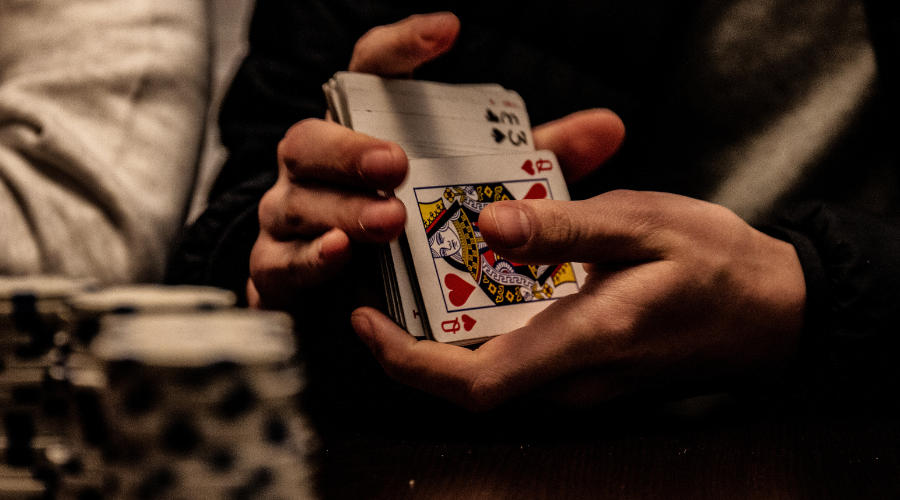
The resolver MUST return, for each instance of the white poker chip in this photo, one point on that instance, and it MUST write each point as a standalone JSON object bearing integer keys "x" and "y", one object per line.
{"x": 197, "y": 339}
{"x": 41, "y": 286}
{"x": 151, "y": 299}
{"x": 45, "y": 294}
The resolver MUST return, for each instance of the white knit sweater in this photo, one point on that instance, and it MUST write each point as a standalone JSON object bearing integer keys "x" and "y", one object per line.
{"x": 101, "y": 114}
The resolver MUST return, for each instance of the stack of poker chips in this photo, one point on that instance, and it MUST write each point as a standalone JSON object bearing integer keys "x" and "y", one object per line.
{"x": 77, "y": 465}
{"x": 203, "y": 405}
{"x": 33, "y": 320}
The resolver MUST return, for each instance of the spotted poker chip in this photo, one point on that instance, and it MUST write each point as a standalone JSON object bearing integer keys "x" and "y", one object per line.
{"x": 89, "y": 307}
{"x": 203, "y": 405}
{"x": 197, "y": 339}
{"x": 151, "y": 299}
{"x": 42, "y": 286}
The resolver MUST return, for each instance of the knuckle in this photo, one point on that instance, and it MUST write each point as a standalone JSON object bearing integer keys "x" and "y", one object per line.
{"x": 295, "y": 221}
{"x": 268, "y": 206}
{"x": 293, "y": 145}
{"x": 295, "y": 134}
{"x": 627, "y": 199}
{"x": 643, "y": 212}
{"x": 259, "y": 262}
{"x": 564, "y": 231}
{"x": 295, "y": 216}
{"x": 271, "y": 208}
{"x": 301, "y": 128}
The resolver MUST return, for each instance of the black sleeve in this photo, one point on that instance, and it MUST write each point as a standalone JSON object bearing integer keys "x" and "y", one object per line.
{"x": 850, "y": 346}
{"x": 849, "y": 356}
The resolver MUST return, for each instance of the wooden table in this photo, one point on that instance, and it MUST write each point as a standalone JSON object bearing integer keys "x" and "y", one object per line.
{"x": 728, "y": 451}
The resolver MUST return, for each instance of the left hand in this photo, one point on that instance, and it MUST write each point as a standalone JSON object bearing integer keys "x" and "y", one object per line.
{"x": 681, "y": 294}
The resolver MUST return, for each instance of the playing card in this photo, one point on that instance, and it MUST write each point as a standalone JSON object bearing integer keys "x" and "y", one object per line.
{"x": 427, "y": 119}
{"x": 430, "y": 119}
{"x": 469, "y": 292}
{"x": 404, "y": 305}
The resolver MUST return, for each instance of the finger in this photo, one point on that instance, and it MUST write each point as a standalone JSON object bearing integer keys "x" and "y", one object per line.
{"x": 398, "y": 49}
{"x": 503, "y": 368}
{"x": 325, "y": 151}
{"x": 279, "y": 269}
{"x": 582, "y": 141}
{"x": 619, "y": 226}
{"x": 290, "y": 211}
{"x": 444, "y": 370}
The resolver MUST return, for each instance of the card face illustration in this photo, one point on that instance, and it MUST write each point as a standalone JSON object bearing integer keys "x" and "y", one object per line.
{"x": 469, "y": 146}
{"x": 469, "y": 291}
{"x": 471, "y": 275}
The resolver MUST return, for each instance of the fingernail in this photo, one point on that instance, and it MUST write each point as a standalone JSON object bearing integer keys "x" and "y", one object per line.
{"x": 382, "y": 220}
{"x": 514, "y": 226}
{"x": 380, "y": 165}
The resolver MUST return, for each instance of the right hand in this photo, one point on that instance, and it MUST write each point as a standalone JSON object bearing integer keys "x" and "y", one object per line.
{"x": 681, "y": 297}
{"x": 328, "y": 175}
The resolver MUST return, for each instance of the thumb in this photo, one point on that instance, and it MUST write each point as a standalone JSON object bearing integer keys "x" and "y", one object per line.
{"x": 607, "y": 228}
{"x": 398, "y": 49}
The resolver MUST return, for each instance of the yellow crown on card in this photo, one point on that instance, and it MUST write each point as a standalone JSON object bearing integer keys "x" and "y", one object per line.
{"x": 431, "y": 211}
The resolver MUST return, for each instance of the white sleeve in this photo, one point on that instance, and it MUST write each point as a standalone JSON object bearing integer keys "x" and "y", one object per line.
{"x": 102, "y": 105}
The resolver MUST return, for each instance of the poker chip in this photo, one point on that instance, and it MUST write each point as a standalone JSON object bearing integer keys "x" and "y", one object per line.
{"x": 33, "y": 388}
{"x": 147, "y": 391}
{"x": 32, "y": 312}
{"x": 42, "y": 286}
{"x": 203, "y": 405}
{"x": 18, "y": 484}
{"x": 89, "y": 307}
{"x": 197, "y": 339}
{"x": 153, "y": 298}
{"x": 81, "y": 472}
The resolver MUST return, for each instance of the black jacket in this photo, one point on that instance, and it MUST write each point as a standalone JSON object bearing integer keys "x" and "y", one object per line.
{"x": 565, "y": 56}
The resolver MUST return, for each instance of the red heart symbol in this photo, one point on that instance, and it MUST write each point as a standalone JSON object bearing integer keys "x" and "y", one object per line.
{"x": 460, "y": 290}
{"x": 537, "y": 192}
{"x": 528, "y": 167}
{"x": 468, "y": 322}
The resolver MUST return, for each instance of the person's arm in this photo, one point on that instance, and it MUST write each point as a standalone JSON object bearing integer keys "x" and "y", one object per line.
{"x": 102, "y": 106}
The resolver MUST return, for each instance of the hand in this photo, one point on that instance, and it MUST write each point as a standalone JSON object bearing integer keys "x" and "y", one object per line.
{"x": 328, "y": 175}
{"x": 325, "y": 196}
{"x": 681, "y": 294}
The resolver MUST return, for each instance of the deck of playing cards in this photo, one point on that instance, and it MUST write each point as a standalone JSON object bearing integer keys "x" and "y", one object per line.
{"x": 469, "y": 146}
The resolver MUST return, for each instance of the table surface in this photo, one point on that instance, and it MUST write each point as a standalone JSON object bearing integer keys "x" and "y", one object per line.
{"x": 694, "y": 451}
{"x": 660, "y": 455}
